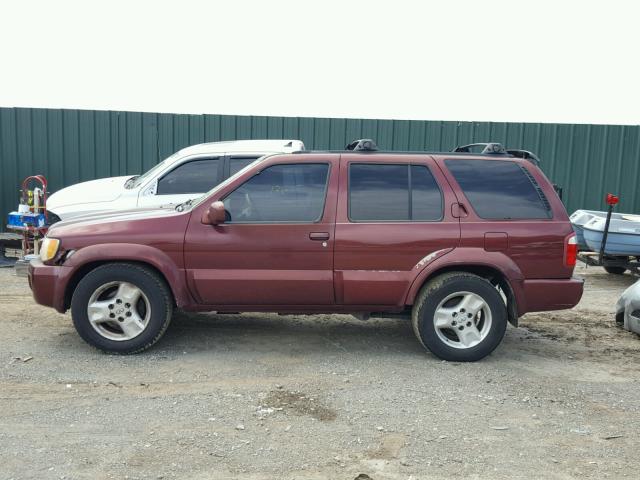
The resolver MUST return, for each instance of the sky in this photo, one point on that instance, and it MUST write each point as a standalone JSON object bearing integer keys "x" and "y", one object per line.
{"x": 563, "y": 61}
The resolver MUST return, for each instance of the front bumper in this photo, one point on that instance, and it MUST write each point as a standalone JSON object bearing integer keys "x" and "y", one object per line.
{"x": 551, "y": 294}
{"x": 48, "y": 284}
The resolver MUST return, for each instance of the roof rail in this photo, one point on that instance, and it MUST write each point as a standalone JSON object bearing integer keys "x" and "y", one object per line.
{"x": 495, "y": 148}
{"x": 363, "y": 145}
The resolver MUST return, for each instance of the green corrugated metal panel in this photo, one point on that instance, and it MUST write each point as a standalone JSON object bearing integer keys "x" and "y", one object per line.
{"x": 69, "y": 146}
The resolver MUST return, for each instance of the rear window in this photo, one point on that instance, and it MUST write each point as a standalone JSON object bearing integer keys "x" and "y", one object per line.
{"x": 499, "y": 190}
{"x": 399, "y": 192}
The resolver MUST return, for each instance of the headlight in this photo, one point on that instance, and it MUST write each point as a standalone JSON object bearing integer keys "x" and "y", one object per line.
{"x": 49, "y": 248}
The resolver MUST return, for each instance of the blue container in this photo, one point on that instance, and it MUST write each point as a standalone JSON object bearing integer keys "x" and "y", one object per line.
{"x": 22, "y": 220}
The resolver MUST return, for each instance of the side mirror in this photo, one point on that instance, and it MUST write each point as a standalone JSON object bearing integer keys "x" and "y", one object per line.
{"x": 215, "y": 214}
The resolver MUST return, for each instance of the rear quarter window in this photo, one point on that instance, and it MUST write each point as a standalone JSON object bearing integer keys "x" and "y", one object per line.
{"x": 500, "y": 190}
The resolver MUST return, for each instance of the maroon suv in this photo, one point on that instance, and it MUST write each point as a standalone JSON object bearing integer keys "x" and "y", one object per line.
{"x": 460, "y": 243}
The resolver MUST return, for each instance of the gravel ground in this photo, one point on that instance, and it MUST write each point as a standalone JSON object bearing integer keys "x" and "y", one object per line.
{"x": 260, "y": 396}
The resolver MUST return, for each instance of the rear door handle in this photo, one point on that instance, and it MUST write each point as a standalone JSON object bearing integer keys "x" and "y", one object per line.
{"x": 320, "y": 236}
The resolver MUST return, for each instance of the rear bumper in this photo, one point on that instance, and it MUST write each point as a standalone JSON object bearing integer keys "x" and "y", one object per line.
{"x": 550, "y": 294}
{"x": 48, "y": 284}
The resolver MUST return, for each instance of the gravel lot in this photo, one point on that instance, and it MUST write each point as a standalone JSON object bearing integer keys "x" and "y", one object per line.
{"x": 259, "y": 396}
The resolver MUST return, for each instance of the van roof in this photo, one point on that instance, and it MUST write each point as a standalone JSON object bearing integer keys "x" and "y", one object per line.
{"x": 245, "y": 146}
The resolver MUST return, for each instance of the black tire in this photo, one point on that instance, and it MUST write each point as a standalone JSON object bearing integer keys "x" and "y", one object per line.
{"x": 615, "y": 270}
{"x": 437, "y": 290}
{"x": 149, "y": 282}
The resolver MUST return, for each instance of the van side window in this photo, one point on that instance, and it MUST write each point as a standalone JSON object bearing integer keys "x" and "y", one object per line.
{"x": 500, "y": 190}
{"x": 197, "y": 176}
{"x": 280, "y": 193}
{"x": 398, "y": 192}
{"x": 238, "y": 163}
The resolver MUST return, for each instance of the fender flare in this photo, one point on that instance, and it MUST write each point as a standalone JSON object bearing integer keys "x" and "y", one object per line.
{"x": 467, "y": 257}
{"x": 132, "y": 252}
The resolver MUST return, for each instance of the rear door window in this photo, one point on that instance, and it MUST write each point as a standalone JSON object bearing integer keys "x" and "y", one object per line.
{"x": 196, "y": 176}
{"x": 426, "y": 198}
{"x": 500, "y": 190}
{"x": 393, "y": 192}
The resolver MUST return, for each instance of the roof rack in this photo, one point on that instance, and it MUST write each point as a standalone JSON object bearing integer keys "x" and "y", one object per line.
{"x": 497, "y": 148}
{"x": 526, "y": 154}
{"x": 490, "y": 148}
{"x": 363, "y": 145}
{"x": 493, "y": 148}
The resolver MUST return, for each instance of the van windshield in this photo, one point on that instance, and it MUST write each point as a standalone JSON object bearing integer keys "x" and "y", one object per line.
{"x": 198, "y": 200}
{"x": 138, "y": 180}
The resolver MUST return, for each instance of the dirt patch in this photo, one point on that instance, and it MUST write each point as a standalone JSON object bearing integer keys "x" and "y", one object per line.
{"x": 586, "y": 334}
{"x": 390, "y": 447}
{"x": 300, "y": 403}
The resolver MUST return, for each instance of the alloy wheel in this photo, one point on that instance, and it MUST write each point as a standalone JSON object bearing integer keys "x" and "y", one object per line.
{"x": 119, "y": 311}
{"x": 462, "y": 320}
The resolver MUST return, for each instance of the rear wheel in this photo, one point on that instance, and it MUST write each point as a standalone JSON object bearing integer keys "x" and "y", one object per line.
{"x": 121, "y": 308}
{"x": 615, "y": 270}
{"x": 459, "y": 316}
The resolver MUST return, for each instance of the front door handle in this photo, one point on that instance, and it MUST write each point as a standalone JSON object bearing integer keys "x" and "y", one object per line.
{"x": 320, "y": 236}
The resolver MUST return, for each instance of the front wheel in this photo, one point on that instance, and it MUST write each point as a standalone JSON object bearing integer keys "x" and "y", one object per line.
{"x": 121, "y": 308}
{"x": 459, "y": 317}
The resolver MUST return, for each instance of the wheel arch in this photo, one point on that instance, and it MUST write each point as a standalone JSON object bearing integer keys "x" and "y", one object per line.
{"x": 86, "y": 268}
{"x": 89, "y": 258}
{"x": 493, "y": 273}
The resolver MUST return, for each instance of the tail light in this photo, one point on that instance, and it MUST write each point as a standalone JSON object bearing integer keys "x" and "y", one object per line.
{"x": 571, "y": 251}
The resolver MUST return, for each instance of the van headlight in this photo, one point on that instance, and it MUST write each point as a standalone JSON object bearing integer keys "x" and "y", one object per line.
{"x": 49, "y": 248}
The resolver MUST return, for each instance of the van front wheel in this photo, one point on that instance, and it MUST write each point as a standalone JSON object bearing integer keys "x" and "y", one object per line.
{"x": 459, "y": 317}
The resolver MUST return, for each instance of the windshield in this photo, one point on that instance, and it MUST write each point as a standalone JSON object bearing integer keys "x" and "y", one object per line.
{"x": 140, "y": 179}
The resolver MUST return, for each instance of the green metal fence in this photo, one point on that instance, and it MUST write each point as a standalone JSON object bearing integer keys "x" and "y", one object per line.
{"x": 70, "y": 146}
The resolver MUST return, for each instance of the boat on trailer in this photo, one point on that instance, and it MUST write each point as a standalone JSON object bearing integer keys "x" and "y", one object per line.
{"x": 623, "y": 238}
{"x": 607, "y": 239}
{"x": 579, "y": 218}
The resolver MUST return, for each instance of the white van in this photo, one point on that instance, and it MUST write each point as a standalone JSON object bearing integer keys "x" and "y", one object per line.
{"x": 183, "y": 176}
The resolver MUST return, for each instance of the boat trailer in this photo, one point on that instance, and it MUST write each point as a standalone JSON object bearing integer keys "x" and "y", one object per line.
{"x": 600, "y": 259}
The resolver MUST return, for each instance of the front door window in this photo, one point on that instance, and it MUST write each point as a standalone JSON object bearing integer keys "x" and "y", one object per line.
{"x": 280, "y": 194}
